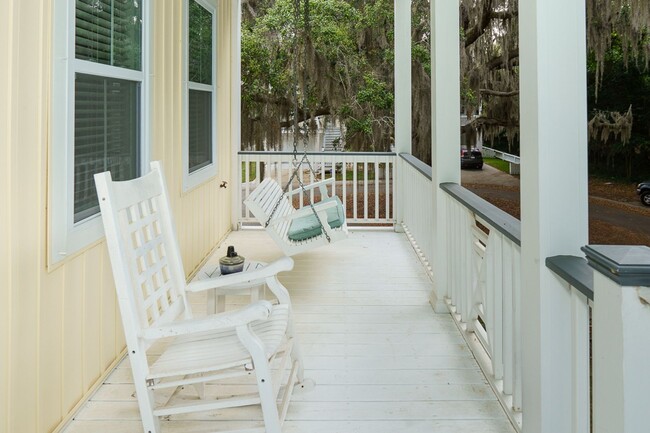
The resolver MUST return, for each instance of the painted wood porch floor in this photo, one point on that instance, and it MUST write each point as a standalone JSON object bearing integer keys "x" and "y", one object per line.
{"x": 382, "y": 360}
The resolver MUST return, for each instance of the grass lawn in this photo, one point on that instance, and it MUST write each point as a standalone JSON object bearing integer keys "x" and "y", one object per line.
{"x": 349, "y": 175}
{"x": 252, "y": 172}
{"x": 497, "y": 163}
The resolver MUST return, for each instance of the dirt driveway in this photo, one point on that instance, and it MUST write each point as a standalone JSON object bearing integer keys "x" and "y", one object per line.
{"x": 611, "y": 221}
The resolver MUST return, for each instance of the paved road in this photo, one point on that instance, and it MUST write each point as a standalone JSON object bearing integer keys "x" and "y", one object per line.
{"x": 488, "y": 176}
{"x": 491, "y": 182}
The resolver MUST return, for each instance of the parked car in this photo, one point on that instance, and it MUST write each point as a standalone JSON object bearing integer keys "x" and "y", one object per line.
{"x": 643, "y": 189}
{"x": 471, "y": 159}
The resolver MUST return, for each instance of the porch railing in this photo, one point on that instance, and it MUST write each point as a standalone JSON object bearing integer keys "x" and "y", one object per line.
{"x": 484, "y": 291}
{"x": 610, "y": 294}
{"x": 578, "y": 281}
{"x": 607, "y": 305}
{"x": 364, "y": 182}
{"x": 416, "y": 205}
{"x": 514, "y": 161}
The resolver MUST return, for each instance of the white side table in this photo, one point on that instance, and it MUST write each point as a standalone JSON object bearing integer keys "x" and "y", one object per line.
{"x": 217, "y": 297}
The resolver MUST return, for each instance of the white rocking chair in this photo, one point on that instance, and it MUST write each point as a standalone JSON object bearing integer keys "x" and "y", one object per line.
{"x": 298, "y": 230}
{"x": 151, "y": 290}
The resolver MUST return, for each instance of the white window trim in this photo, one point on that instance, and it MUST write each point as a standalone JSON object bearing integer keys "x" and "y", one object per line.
{"x": 202, "y": 175}
{"x": 67, "y": 238}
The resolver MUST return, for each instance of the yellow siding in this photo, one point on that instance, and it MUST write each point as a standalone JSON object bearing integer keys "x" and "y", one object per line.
{"x": 60, "y": 327}
{"x": 6, "y": 30}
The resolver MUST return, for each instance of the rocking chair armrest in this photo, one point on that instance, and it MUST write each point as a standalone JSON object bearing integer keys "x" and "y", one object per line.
{"x": 252, "y": 277}
{"x": 319, "y": 184}
{"x": 305, "y": 211}
{"x": 259, "y": 310}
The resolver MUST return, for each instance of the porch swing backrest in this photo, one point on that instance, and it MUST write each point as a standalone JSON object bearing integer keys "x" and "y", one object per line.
{"x": 262, "y": 201}
{"x": 151, "y": 276}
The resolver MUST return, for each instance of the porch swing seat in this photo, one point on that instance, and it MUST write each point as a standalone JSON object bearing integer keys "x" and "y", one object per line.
{"x": 298, "y": 230}
{"x": 308, "y": 226}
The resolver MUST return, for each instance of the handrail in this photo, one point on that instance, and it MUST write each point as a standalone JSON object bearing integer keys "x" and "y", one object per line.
{"x": 365, "y": 181}
{"x": 575, "y": 271}
{"x": 417, "y": 164}
{"x": 284, "y": 153}
{"x": 416, "y": 206}
{"x": 514, "y": 159}
{"x": 501, "y": 221}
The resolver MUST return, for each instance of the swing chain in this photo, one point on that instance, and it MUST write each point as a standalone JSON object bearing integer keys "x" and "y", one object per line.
{"x": 305, "y": 128}
{"x": 296, "y": 59}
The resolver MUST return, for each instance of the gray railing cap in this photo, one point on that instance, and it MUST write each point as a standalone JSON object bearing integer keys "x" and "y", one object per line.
{"x": 575, "y": 271}
{"x": 626, "y": 265}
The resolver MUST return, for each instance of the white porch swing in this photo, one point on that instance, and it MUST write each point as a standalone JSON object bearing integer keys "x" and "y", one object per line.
{"x": 298, "y": 230}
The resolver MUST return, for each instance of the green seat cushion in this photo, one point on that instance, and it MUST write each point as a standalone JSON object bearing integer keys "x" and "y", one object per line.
{"x": 308, "y": 226}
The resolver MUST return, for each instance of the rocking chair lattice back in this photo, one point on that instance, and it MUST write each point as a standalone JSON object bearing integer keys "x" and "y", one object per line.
{"x": 152, "y": 295}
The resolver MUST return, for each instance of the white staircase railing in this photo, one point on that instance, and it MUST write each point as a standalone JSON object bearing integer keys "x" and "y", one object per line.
{"x": 365, "y": 181}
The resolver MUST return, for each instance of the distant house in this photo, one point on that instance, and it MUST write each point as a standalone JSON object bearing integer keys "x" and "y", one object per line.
{"x": 469, "y": 137}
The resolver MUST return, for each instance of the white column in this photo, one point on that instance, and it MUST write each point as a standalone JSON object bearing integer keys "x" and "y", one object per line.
{"x": 402, "y": 76}
{"x": 235, "y": 116}
{"x": 402, "y": 97}
{"x": 445, "y": 131}
{"x": 554, "y": 212}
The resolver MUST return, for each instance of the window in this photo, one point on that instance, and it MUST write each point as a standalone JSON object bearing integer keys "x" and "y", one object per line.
{"x": 98, "y": 111}
{"x": 199, "y": 138}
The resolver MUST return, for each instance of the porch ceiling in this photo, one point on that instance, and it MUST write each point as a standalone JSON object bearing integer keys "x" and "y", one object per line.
{"x": 381, "y": 359}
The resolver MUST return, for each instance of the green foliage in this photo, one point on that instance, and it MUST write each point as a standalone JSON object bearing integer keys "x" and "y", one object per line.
{"x": 375, "y": 93}
{"x": 345, "y": 111}
{"x": 421, "y": 53}
{"x": 468, "y": 97}
{"x": 345, "y": 51}
{"x": 359, "y": 126}
{"x": 622, "y": 86}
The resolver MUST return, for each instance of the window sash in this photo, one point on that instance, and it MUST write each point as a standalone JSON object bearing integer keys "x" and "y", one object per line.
{"x": 200, "y": 43}
{"x": 107, "y": 136}
{"x": 199, "y": 75}
{"x": 97, "y": 54}
{"x": 109, "y": 32}
{"x": 67, "y": 234}
{"x": 200, "y": 132}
